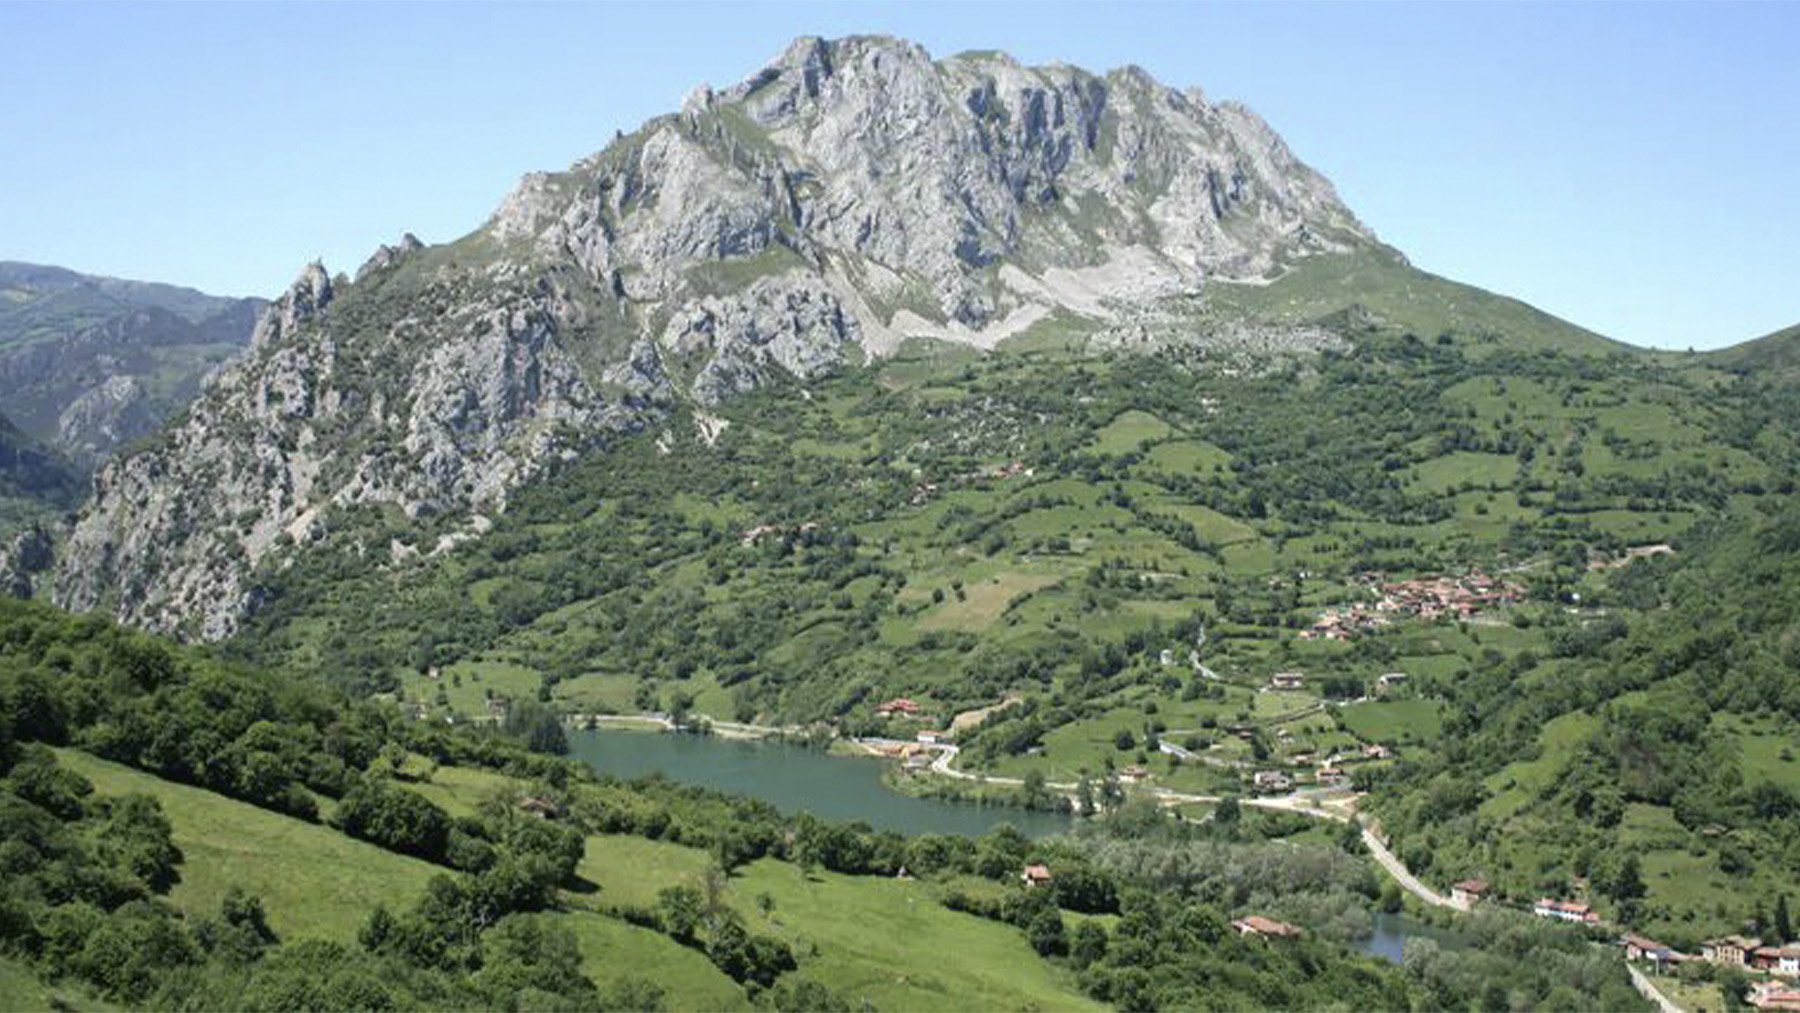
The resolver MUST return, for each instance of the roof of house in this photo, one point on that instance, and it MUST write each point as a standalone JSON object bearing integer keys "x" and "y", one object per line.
{"x": 1264, "y": 926}
{"x": 1037, "y": 873}
{"x": 1645, "y": 943}
{"x": 1471, "y": 886}
{"x": 1737, "y": 942}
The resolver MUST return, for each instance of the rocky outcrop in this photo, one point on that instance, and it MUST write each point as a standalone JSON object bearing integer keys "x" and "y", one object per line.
{"x": 28, "y": 553}
{"x": 115, "y": 413}
{"x": 848, "y": 196}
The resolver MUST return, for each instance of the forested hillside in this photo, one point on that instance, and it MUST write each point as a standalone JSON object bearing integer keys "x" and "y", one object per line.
{"x": 1055, "y": 533}
{"x": 1653, "y": 759}
{"x": 188, "y": 834}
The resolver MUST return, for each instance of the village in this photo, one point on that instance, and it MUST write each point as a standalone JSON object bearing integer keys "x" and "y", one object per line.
{"x": 1428, "y": 599}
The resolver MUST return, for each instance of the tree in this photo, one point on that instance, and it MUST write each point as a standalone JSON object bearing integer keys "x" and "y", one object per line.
{"x": 396, "y": 819}
{"x": 537, "y": 725}
{"x": 1045, "y": 932}
{"x": 1084, "y": 796}
{"x": 1783, "y": 925}
{"x": 1088, "y": 944}
{"x": 680, "y": 909}
{"x": 1036, "y": 791}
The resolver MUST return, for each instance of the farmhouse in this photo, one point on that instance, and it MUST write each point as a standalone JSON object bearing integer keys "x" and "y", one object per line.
{"x": 1565, "y": 911}
{"x": 1287, "y": 680}
{"x": 1468, "y": 893}
{"x": 1782, "y": 960}
{"x": 1729, "y": 951}
{"x": 1134, "y": 774}
{"x": 542, "y": 808}
{"x": 1272, "y": 780}
{"x": 898, "y": 705}
{"x": 1036, "y": 875}
{"x": 1390, "y": 681}
{"x": 1332, "y": 776}
{"x": 1267, "y": 928}
{"x": 1646, "y": 950}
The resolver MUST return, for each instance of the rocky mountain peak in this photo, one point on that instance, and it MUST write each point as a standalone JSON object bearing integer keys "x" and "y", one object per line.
{"x": 848, "y": 196}
{"x": 305, "y": 299}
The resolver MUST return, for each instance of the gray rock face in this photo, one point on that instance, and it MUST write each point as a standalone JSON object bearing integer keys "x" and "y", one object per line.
{"x": 29, "y": 553}
{"x": 110, "y": 415}
{"x": 849, "y": 195}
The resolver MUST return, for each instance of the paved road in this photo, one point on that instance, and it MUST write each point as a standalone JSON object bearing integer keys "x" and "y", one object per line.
{"x": 1648, "y": 990}
{"x": 1403, "y": 875}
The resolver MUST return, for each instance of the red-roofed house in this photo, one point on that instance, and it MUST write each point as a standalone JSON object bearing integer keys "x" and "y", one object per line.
{"x": 898, "y": 705}
{"x": 1468, "y": 893}
{"x": 1036, "y": 875}
{"x": 1782, "y": 960}
{"x": 1774, "y": 995}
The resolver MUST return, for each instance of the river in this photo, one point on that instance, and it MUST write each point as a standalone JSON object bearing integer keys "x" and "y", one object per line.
{"x": 795, "y": 779}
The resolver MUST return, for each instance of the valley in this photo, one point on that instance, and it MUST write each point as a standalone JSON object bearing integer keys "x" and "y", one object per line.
{"x": 1086, "y": 567}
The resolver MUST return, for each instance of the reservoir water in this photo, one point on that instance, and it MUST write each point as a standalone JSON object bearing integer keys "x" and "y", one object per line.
{"x": 796, "y": 779}
{"x": 1393, "y": 930}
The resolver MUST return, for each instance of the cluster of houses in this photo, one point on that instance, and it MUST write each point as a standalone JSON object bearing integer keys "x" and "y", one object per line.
{"x": 1344, "y": 623}
{"x": 750, "y": 536}
{"x": 1427, "y": 598}
{"x": 1752, "y": 955}
{"x": 925, "y": 492}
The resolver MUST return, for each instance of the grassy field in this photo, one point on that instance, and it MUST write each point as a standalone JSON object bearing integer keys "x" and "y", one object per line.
{"x": 1399, "y": 721}
{"x": 630, "y": 870}
{"x": 891, "y": 943}
{"x": 984, "y": 602}
{"x": 868, "y": 938}
{"x": 22, "y": 991}
{"x": 612, "y": 949}
{"x": 313, "y": 881}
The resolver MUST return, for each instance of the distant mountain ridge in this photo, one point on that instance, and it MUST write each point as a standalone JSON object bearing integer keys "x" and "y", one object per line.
{"x": 851, "y": 196}
{"x": 89, "y": 363}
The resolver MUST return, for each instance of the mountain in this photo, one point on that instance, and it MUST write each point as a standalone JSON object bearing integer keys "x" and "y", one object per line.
{"x": 89, "y": 363}
{"x": 36, "y": 484}
{"x": 849, "y": 198}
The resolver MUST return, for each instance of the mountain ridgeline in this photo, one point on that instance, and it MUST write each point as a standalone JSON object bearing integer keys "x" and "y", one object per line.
{"x": 849, "y": 197}
{"x": 89, "y": 364}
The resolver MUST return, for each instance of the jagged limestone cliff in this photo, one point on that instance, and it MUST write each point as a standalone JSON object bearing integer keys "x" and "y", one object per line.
{"x": 850, "y": 195}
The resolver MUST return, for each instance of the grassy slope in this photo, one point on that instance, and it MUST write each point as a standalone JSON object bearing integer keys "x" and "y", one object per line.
{"x": 22, "y": 991}
{"x": 868, "y": 938}
{"x": 313, "y": 881}
{"x": 1406, "y": 297}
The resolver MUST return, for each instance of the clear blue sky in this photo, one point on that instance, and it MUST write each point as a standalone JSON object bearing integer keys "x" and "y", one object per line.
{"x": 1632, "y": 167}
